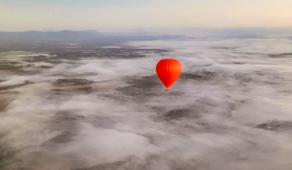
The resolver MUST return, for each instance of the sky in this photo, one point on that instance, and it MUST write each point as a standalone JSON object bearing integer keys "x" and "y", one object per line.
{"x": 107, "y": 15}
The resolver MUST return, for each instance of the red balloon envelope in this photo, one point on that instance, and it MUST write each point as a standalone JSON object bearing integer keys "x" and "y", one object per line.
{"x": 168, "y": 70}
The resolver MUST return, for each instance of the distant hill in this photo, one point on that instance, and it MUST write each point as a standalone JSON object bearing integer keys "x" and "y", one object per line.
{"x": 65, "y": 35}
{"x": 225, "y": 32}
{"x": 89, "y": 35}
{"x": 149, "y": 34}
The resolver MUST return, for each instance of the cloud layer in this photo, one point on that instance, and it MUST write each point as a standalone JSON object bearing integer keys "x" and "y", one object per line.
{"x": 217, "y": 116}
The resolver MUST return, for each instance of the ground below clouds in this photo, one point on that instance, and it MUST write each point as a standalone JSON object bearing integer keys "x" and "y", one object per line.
{"x": 105, "y": 109}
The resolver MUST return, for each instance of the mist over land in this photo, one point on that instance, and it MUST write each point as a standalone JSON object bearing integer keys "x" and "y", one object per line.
{"x": 76, "y": 102}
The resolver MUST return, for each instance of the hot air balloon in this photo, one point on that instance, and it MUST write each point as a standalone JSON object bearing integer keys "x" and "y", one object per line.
{"x": 168, "y": 70}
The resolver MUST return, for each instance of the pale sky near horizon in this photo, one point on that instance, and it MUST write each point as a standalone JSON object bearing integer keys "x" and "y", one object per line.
{"x": 103, "y": 15}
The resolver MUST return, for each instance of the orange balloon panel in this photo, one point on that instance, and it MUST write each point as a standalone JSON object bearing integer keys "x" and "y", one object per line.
{"x": 168, "y": 70}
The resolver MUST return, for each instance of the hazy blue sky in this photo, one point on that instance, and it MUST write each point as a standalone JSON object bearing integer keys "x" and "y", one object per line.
{"x": 103, "y": 15}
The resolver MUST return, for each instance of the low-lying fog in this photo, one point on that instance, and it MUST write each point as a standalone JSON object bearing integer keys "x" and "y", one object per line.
{"x": 230, "y": 109}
